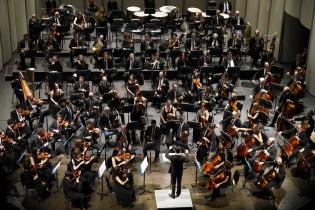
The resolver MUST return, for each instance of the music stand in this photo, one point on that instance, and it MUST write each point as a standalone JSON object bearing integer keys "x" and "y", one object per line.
{"x": 55, "y": 77}
{"x": 215, "y": 78}
{"x": 150, "y": 52}
{"x": 100, "y": 173}
{"x": 265, "y": 103}
{"x": 148, "y": 94}
{"x": 101, "y": 30}
{"x": 85, "y": 73}
{"x": 196, "y": 185}
{"x": 188, "y": 108}
{"x": 143, "y": 168}
{"x": 126, "y": 51}
{"x": 239, "y": 27}
{"x": 55, "y": 172}
{"x": 127, "y": 109}
{"x": 133, "y": 125}
{"x": 233, "y": 73}
{"x": 196, "y": 53}
{"x": 277, "y": 70}
{"x": 80, "y": 50}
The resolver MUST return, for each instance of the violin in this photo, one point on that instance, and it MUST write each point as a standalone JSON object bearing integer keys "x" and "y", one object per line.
{"x": 125, "y": 155}
{"x": 218, "y": 178}
{"x": 197, "y": 83}
{"x": 208, "y": 166}
{"x": 43, "y": 155}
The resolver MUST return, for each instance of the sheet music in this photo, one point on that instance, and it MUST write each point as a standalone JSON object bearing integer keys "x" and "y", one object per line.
{"x": 144, "y": 165}
{"x": 101, "y": 170}
{"x": 56, "y": 168}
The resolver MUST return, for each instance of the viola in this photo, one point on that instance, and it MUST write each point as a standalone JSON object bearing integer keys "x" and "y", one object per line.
{"x": 208, "y": 166}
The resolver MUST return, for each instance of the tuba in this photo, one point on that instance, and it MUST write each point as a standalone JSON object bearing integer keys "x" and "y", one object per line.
{"x": 97, "y": 47}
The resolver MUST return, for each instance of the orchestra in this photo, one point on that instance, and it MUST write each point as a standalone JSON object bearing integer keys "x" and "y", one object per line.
{"x": 100, "y": 116}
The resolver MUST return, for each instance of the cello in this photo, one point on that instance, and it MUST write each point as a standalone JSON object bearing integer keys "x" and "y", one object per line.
{"x": 218, "y": 178}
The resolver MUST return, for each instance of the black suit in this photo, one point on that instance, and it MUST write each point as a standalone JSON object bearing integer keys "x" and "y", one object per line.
{"x": 146, "y": 45}
{"x": 171, "y": 94}
{"x": 103, "y": 65}
{"x": 74, "y": 43}
{"x": 27, "y": 53}
{"x": 56, "y": 66}
{"x": 135, "y": 64}
{"x": 34, "y": 29}
{"x": 85, "y": 86}
{"x": 25, "y": 129}
{"x": 234, "y": 20}
{"x": 234, "y": 44}
{"x": 217, "y": 20}
{"x": 153, "y": 141}
{"x": 188, "y": 44}
{"x": 221, "y": 7}
{"x": 256, "y": 45}
{"x": 176, "y": 171}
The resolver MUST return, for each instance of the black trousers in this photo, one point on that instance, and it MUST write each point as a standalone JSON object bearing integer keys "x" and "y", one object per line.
{"x": 152, "y": 146}
{"x": 27, "y": 55}
{"x": 176, "y": 178}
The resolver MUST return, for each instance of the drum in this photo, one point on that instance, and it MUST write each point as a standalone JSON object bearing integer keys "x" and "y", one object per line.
{"x": 140, "y": 14}
{"x": 167, "y": 9}
{"x": 225, "y": 16}
{"x": 131, "y": 10}
{"x": 162, "y": 16}
{"x": 192, "y": 13}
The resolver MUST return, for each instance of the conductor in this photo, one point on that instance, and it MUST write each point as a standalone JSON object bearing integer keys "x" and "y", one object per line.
{"x": 176, "y": 169}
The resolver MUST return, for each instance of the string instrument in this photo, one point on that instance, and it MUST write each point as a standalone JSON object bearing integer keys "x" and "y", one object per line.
{"x": 122, "y": 139}
{"x": 218, "y": 178}
{"x": 208, "y": 166}
{"x": 288, "y": 109}
{"x": 296, "y": 88}
{"x": 75, "y": 174}
{"x": 223, "y": 90}
{"x": 244, "y": 148}
{"x": 264, "y": 180}
{"x": 267, "y": 95}
{"x": 125, "y": 155}
{"x": 231, "y": 130}
{"x": 43, "y": 155}
{"x": 197, "y": 83}
{"x": 261, "y": 158}
{"x": 304, "y": 162}
{"x": 288, "y": 148}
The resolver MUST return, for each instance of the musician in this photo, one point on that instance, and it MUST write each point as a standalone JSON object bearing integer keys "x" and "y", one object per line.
{"x": 55, "y": 98}
{"x": 232, "y": 105}
{"x": 106, "y": 63}
{"x": 19, "y": 117}
{"x": 123, "y": 187}
{"x": 79, "y": 22}
{"x": 279, "y": 173}
{"x": 9, "y": 145}
{"x": 152, "y": 138}
{"x": 127, "y": 41}
{"x": 101, "y": 17}
{"x": 91, "y": 133}
{"x": 157, "y": 64}
{"x": 182, "y": 132}
{"x": 201, "y": 119}
{"x": 262, "y": 72}
{"x": 236, "y": 20}
{"x": 56, "y": 20}
{"x": 304, "y": 165}
{"x": 299, "y": 131}
{"x": 80, "y": 63}
{"x": 73, "y": 189}
{"x": 174, "y": 94}
{"x": 92, "y": 6}
{"x": 176, "y": 169}
{"x": 168, "y": 112}
{"x": 51, "y": 45}
{"x": 271, "y": 148}
{"x": 25, "y": 49}
{"x": 260, "y": 86}
{"x": 92, "y": 106}
{"x": 34, "y": 28}
{"x": 40, "y": 140}
{"x": 112, "y": 5}
{"x": 193, "y": 43}
{"x": 229, "y": 61}
{"x": 205, "y": 60}
{"x": 174, "y": 45}
{"x": 161, "y": 88}
{"x": 195, "y": 83}
{"x": 132, "y": 86}
{"x": 104, "y": 87}
{"x": 216, "y": 45}
{"x": 132, "y": 62}
{"x": 217, "y": 20}
{"x": 98, "y": 45}
{"x": 234, "y": 43}
{"x": 256, "y": 45}
{"x": 82, "y": 87}
{"x": 54, "y": 64}
{"x": 267, "y": 57}
{"x": 147, "y": 43}
{"x": 225, "y": 7}
{"x": 233, "y": 120}
{"x": 285, "y": 95}
{"x": 75, "y": 42}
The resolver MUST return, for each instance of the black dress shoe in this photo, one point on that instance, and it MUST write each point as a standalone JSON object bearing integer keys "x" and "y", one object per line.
{"x": 172, "y": 196}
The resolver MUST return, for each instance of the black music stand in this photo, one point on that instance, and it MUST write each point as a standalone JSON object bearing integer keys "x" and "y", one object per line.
{"x": 196, "y": 54}
{"x": 215, "y": 78}
{"x": 111, "y": 73}
{"x": 79, "y": 51}
{"x": 188, "y": 108}
{"x": 55, "y": 77}
{"x": 127, "y": 109}
{"x": 125, "y": 52}
{"x": 233, "y": 73}
{"x": 150, "y": 52}
{"x": 239, "y": 27}
{"x": 148, "y": 94}
{"x": 216, "y": 52}
{"x": 133, "y": 126}
{"x": 196, "y": 185}
{"x": 101, "y": 30}
{"x": 277, "y": 70}
{"x": 85, "y": 73}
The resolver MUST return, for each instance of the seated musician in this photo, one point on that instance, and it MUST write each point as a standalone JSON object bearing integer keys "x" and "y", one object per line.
{"x": 73, "y": 189}
{"x": 79, "y": 23}
{"x": 80, "y": 63}
{"x": 80, "y": 167}
{"x": 152, "y": 139}
{"x": 92, "y": 6}
{"x": 224, "y": 88}
{"x": 237, "y": 20}
{"x": 182, "y": 133}
{"x": 19, "y": 117}
{"x": 118, "y": 103}
{"x": 9, "y": 144}
{"x": 195, "y": 83}
{"x": 157, "y": 63}
{"x": 168, "y": 112}
{"x": 161, "y": 88}
{"x": 256, "y": 131}
{"x": 92, "y": 107}
{"x": 106, "y": 63}
{"x": 300, "y": 131}
{"x": 193, "y": 43}
{"x": 183, "y": 61}
{"x": 216, "y": 45}
{"x": 26, "y": 49}
{"x": 304, "y": 165}
{"x": 91, "y": 133}
{"x": 56, "y": 20}
{"x": 132, "y": 86}
{"x": 128, "y": 43}
{"x": 262, "y": 72}
{"x": 147, "y": 43}
{"x": 173, "y": 45}
{"x": 82, "y": 87}
{"x": 123, "y": 187}
{"x": 205, "y": 60}
{"x": 42, "y": 167}
{"x": 40, "y": 140}
{"x": 101, "y": 17}
{"x": 76, "y": 42}
{"x": 34, "y": 28}
{"x": 234, "y": 44}
{"x": 233, "y": 104}
{"x": 104, "y": 87}
{"x": 54, "y": 64}
{"x": 274, "y": 175}
{"x": 201, "y": 120}
{"x": 132, "y": 62}
{"x": 98, "y": 45}
{"x": 217, "y": 20}
{"x": 174, "y": 94}
{"x": 232, "y": 121}
{"x": 259, "y": 87}
{"x": 51, "y": 45}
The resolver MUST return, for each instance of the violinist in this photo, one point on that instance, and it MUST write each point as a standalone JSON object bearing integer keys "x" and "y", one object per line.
{"x": 41, "y": 140}
{"x": 232, "y": 105}
{"x": 161, "y": 88}
{"x": 201, "y": 120}
{"x": 176, "y": 169}
{"x": 10, "y": 149}
{"x": 270, "y": 177}
{"x": 152, "y": 138}
{"x": 73, "y": 190}
{"x": 91, "y": 134}
{"x": 195, "y": 83}
{"x": 123, "y": 186}
{"x": 18, "y": 116}
{"x": 285, "y": 95}
{"x": 80, "y": 167}
{"x": 41, "y": 166}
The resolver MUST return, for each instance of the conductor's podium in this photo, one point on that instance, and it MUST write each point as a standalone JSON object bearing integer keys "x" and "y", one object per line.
{"x": 164, "y": 201}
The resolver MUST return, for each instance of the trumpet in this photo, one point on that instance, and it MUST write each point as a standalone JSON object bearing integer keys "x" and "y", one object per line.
{"x": 97, "y": 47}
